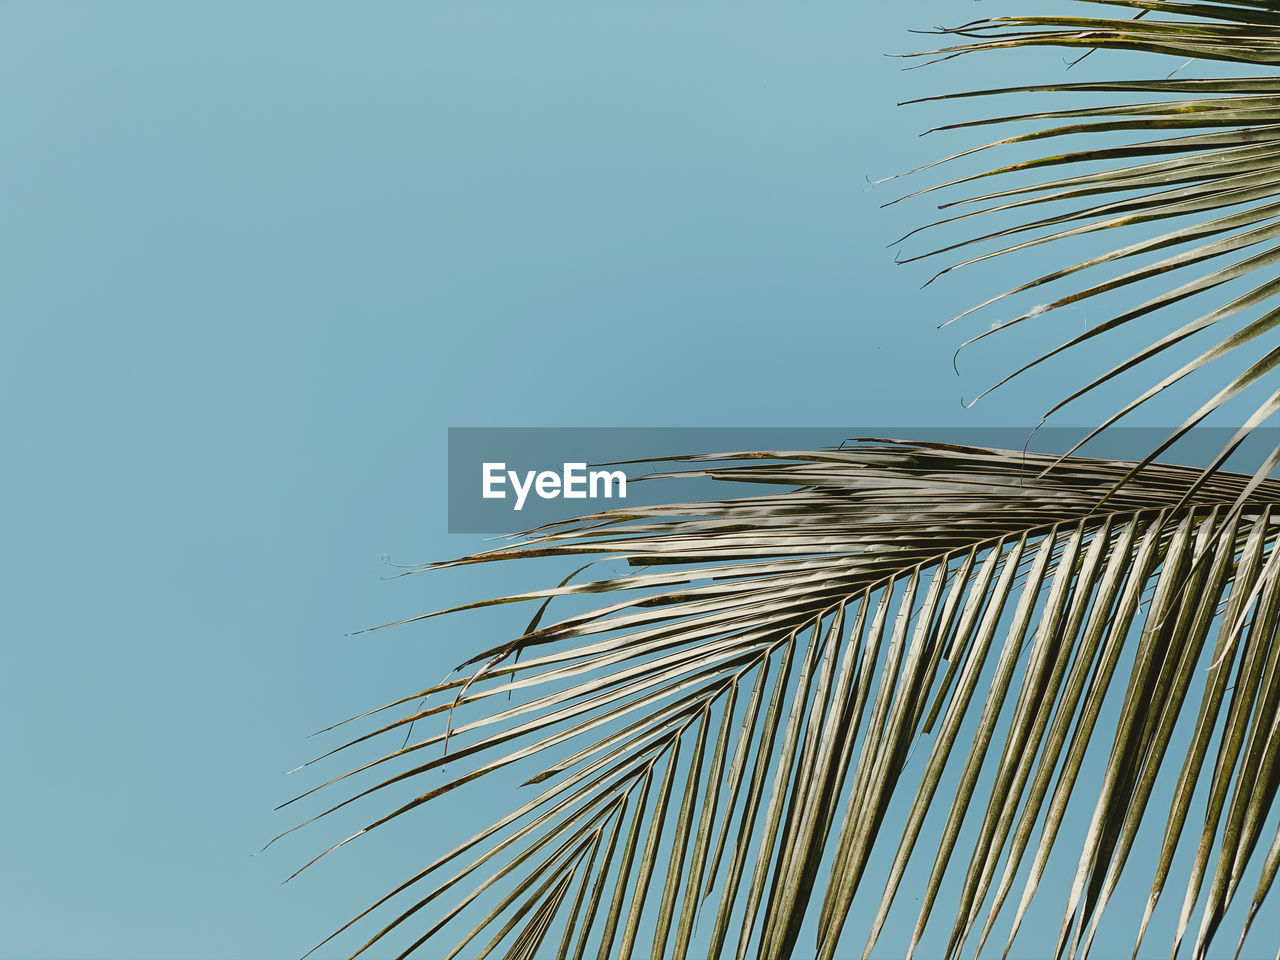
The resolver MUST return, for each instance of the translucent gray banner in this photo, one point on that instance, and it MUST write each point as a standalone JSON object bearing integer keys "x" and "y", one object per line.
{"x": 505, "y": 480}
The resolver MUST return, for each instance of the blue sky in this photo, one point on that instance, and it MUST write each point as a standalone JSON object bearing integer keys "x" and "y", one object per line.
{"x": 259, "y": 257}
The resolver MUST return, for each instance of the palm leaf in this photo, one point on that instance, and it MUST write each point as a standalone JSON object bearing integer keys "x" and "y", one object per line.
{"x": 718, "y": 737}
{"x": 1191, "y": 163}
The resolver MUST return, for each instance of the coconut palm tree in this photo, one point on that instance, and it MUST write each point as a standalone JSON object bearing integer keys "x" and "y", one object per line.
{"x": 713, "y": 742}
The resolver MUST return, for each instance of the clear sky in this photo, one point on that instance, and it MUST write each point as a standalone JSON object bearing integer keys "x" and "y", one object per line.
{"x": 258, "y": 257}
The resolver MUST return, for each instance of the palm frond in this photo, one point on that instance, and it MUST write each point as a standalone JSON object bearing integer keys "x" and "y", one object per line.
{"x": 714, "y": 742}
{"x": 1190, "y": 162}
